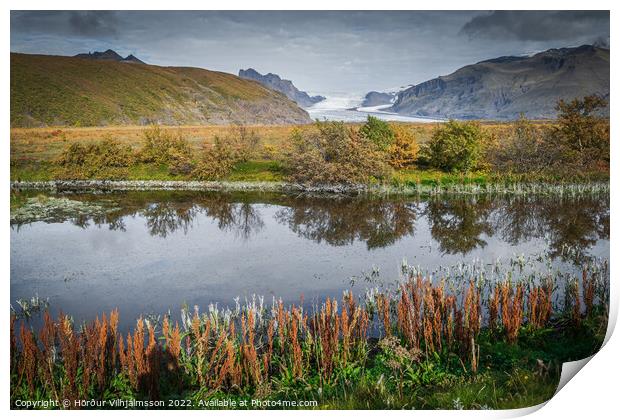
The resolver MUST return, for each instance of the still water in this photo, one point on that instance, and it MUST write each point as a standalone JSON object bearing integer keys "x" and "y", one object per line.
{"x": 152, "y": 252}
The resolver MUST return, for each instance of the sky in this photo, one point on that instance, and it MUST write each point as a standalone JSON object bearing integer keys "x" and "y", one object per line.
{"x": 320, "y": 51}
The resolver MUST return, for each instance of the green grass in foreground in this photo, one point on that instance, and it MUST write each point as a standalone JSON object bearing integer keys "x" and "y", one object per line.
{"x": 272, "y": 171}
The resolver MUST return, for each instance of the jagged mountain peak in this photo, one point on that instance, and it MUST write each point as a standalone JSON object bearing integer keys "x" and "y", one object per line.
{"x": 286, "y": 87}
{"x": 111, "y": 55}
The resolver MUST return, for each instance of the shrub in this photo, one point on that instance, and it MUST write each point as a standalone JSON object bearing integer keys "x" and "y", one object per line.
{"x": 105, "y": 159}
{"x": 238, "y": 145}
{"x": 582, "y": 134}
{"x": 526, "y": 149}
{"x": 332, "y": 153}
{"x": 216, "y": 162}
{"x": 164, "y": 148}
{"x": 245, "y": 142}
{"x": 403, "y": 151}
{"x": 180, "y": 163}
{"x": 242, "y": 142}
{"x": 378, "y": 131}
{"x": 455, "y": 146}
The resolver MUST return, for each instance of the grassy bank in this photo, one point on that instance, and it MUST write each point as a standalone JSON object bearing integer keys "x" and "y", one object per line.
{"x": 421, "y": 345}
{"x": 41, "y": 155}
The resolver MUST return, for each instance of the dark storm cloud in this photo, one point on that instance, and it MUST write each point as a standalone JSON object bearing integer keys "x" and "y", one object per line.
{"x": 92, "y": 23}
{"x": 538, "y": 25}
{"x": 321, "y": 51}
{"x": 75, "y": 23}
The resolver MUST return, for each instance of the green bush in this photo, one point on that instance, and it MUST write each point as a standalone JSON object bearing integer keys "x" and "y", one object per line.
{"x": 378, "y": 131}
{"x": 332, "y": 153}
{"x": 455, "y": 146}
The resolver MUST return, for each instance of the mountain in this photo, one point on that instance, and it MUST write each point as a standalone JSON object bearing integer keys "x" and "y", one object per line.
{"x": 374, "y": 98}
{"x": 110, "y": 55}
{"x": 504, "y": 87}
{"x": 55, "y": 90}
{"x": 274, "y": 82}
{"x": 133, "y": 59}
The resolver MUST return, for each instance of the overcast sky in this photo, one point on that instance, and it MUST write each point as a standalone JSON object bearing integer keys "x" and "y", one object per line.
{"x": 320, "y": 52}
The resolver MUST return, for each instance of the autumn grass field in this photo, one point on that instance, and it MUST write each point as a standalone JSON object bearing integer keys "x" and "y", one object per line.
{"x": 34, "y": 150}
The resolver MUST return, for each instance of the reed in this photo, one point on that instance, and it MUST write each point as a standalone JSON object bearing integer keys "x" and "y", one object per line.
{"x": 589, "y": 288}
{"x": 253, "y": 348}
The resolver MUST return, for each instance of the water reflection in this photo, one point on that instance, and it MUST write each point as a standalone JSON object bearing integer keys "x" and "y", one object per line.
{"x": 576, "y": 222}
{"x": 459, "y": 224}
{"x": 338, "y": 222}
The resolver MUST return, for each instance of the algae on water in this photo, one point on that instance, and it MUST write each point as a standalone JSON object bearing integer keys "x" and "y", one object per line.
{"x": 53, "y": 209}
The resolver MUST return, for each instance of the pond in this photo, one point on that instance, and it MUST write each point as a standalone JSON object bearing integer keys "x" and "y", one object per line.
{"x": 153, "y": 252}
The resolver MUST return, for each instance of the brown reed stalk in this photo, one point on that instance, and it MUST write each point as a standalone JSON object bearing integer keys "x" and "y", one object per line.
{"x": 475, "y": 355}
{"x": 102, "y": 346}
{"x": 540, "y": 305}
{"x": 512, "y": 309}
{"x": 153, "y": 363}
{"x": 589, "y": 288}
{"x": 407, "y": 319}
{"x": 349, "y": 302}
{"x": 428, "y": 315}
{"x": 439, "y": 304}
{"x": 112, "y": 342}
{"x": 472, "y": 310}
{"x": 383, "y": 308}
{"x": 281, "y": 323}
{"x": 327, "y": 328}
{"x": 14, "y": 350}
{"x": 248, "y": 350}
{"x": 295, "y": 320}
{"x": 449, "y": 311}
{"x": 139, "y": 354}
{"x": 69, "y": 349}
{"x": 173, "y": 345}
{"x": 47, "y": 339}
{"x": 128, "y": 361}
{"x": 216, "y": 354}
{"x": 28, "y": 360}
{"x": 362, "y": 326}
{"x": 576, "y": 313}
{"x": 346, "y": 333}
{"x": 270, "y": 331}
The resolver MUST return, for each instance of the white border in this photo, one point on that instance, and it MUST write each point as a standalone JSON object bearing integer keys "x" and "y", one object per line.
{"x": 592, "y": 393}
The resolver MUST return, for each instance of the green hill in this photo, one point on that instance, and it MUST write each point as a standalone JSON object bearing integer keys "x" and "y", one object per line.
{"x": 55, "y": 90}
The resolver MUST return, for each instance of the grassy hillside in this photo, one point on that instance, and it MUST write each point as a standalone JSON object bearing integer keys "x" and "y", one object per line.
{"x": 67, "y": 91}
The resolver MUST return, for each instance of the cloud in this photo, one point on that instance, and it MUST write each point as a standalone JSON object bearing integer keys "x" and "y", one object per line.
{"x": 537, "y": 25}
{"x": 321, "y": 51}
{"x": 73, "y": 23}
{"x": 93, "y": 23}
{"x": 601, "y": 41}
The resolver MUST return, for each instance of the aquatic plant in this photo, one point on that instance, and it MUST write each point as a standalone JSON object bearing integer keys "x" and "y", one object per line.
{"x": 254, "y": 348}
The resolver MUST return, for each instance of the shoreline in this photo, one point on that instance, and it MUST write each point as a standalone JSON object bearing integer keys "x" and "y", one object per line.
{"x": 338, "y": 189}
